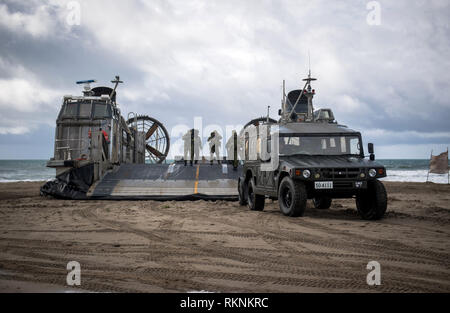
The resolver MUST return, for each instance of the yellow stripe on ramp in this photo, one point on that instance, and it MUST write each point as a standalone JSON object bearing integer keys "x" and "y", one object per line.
{"x": 196, "y": 179}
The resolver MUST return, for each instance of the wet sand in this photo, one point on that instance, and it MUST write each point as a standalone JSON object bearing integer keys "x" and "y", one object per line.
{"x": 150, "y": 246}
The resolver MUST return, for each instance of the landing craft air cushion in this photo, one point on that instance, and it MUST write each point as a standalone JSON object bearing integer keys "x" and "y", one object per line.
{"x": 100, "y": 155}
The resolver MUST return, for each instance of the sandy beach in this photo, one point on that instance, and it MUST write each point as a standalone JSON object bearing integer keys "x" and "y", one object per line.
{"x": 150, "y": 246}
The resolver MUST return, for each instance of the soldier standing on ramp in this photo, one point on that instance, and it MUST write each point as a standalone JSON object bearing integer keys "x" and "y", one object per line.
{"x": 214, "y": 146}
{"x": 192, "y": 146}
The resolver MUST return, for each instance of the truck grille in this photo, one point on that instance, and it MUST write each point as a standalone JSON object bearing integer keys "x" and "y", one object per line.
{"x": 339, "y": 173}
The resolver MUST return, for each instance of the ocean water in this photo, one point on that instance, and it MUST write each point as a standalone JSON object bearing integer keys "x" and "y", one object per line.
{"x": 407, "y": 170}
{"x": 411, "y": 170}
{"x": 25, "y": 170}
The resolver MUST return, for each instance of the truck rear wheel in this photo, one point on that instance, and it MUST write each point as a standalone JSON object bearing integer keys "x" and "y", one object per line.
{"x": 372, "y": 203}
{"x": 242, "y": 190}
{"x": 292, "y": 197}
{"x": 255, "y": 202}
{"x": 322, "y": 203}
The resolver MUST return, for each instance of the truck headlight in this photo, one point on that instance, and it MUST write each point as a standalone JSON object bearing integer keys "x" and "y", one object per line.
{"x": 306, "y": 173}
{"x": 372, "y": 172}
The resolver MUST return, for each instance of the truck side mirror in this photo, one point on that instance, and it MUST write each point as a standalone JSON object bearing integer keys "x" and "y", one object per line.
{"x": 370, "y": 148}
{"x": 279, "y": 112}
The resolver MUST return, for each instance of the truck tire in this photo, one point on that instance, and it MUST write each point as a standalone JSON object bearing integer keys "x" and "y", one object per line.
{"x": 292, "y": 197}
{"x": 322, "y": 203}
{"x": 372, "y": 203}
{"x": 242, "y": 190}
{"x": 255, "y": 202}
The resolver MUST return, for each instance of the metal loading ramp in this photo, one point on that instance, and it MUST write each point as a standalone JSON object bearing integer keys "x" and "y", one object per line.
{"x": 168, "y": 182}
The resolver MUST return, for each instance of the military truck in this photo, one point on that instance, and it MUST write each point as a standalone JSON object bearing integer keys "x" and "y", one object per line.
{"x": 308, "y": 155}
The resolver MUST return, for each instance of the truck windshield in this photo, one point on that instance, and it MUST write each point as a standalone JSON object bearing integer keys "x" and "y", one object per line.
{"x": 319, "y": 145}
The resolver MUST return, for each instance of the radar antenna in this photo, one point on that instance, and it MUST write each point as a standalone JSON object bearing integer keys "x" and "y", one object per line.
{"x": 87, "y": 85}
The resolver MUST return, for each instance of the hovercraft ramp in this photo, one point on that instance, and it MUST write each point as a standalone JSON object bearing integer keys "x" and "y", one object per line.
{"x": 174, "y": 181}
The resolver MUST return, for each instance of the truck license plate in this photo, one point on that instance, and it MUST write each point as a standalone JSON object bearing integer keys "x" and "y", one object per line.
{"x": 323, "y": 185}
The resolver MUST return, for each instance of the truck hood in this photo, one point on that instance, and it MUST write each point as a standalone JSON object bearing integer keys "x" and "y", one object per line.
{"x": 322, "y": 161}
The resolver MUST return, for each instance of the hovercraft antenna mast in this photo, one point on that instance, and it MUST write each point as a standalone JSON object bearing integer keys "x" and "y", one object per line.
{"x": 309, "y": 93}
{"x": 116, "y": 81}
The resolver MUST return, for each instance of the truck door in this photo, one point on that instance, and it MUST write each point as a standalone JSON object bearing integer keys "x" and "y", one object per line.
{"x": 268, "y": 175}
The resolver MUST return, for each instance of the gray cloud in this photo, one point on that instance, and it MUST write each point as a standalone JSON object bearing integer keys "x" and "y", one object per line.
{"x": 225, "y": 60}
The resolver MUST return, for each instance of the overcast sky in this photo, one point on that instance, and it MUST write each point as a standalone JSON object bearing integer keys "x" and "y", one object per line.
{"x": 384, "y": 72}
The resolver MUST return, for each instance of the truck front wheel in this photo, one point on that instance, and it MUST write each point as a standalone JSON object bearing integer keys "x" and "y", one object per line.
{"x": 292, "y": 197}
{"x": 372, "y": 203}
{"x": 255, "y": 202}
{"x": 322, "y": 203}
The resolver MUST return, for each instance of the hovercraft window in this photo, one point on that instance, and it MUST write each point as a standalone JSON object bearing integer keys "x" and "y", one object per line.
{"x": 71, "y": 109}
{"x": 102, "y": 110}
{"x": 85, "y": 109}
